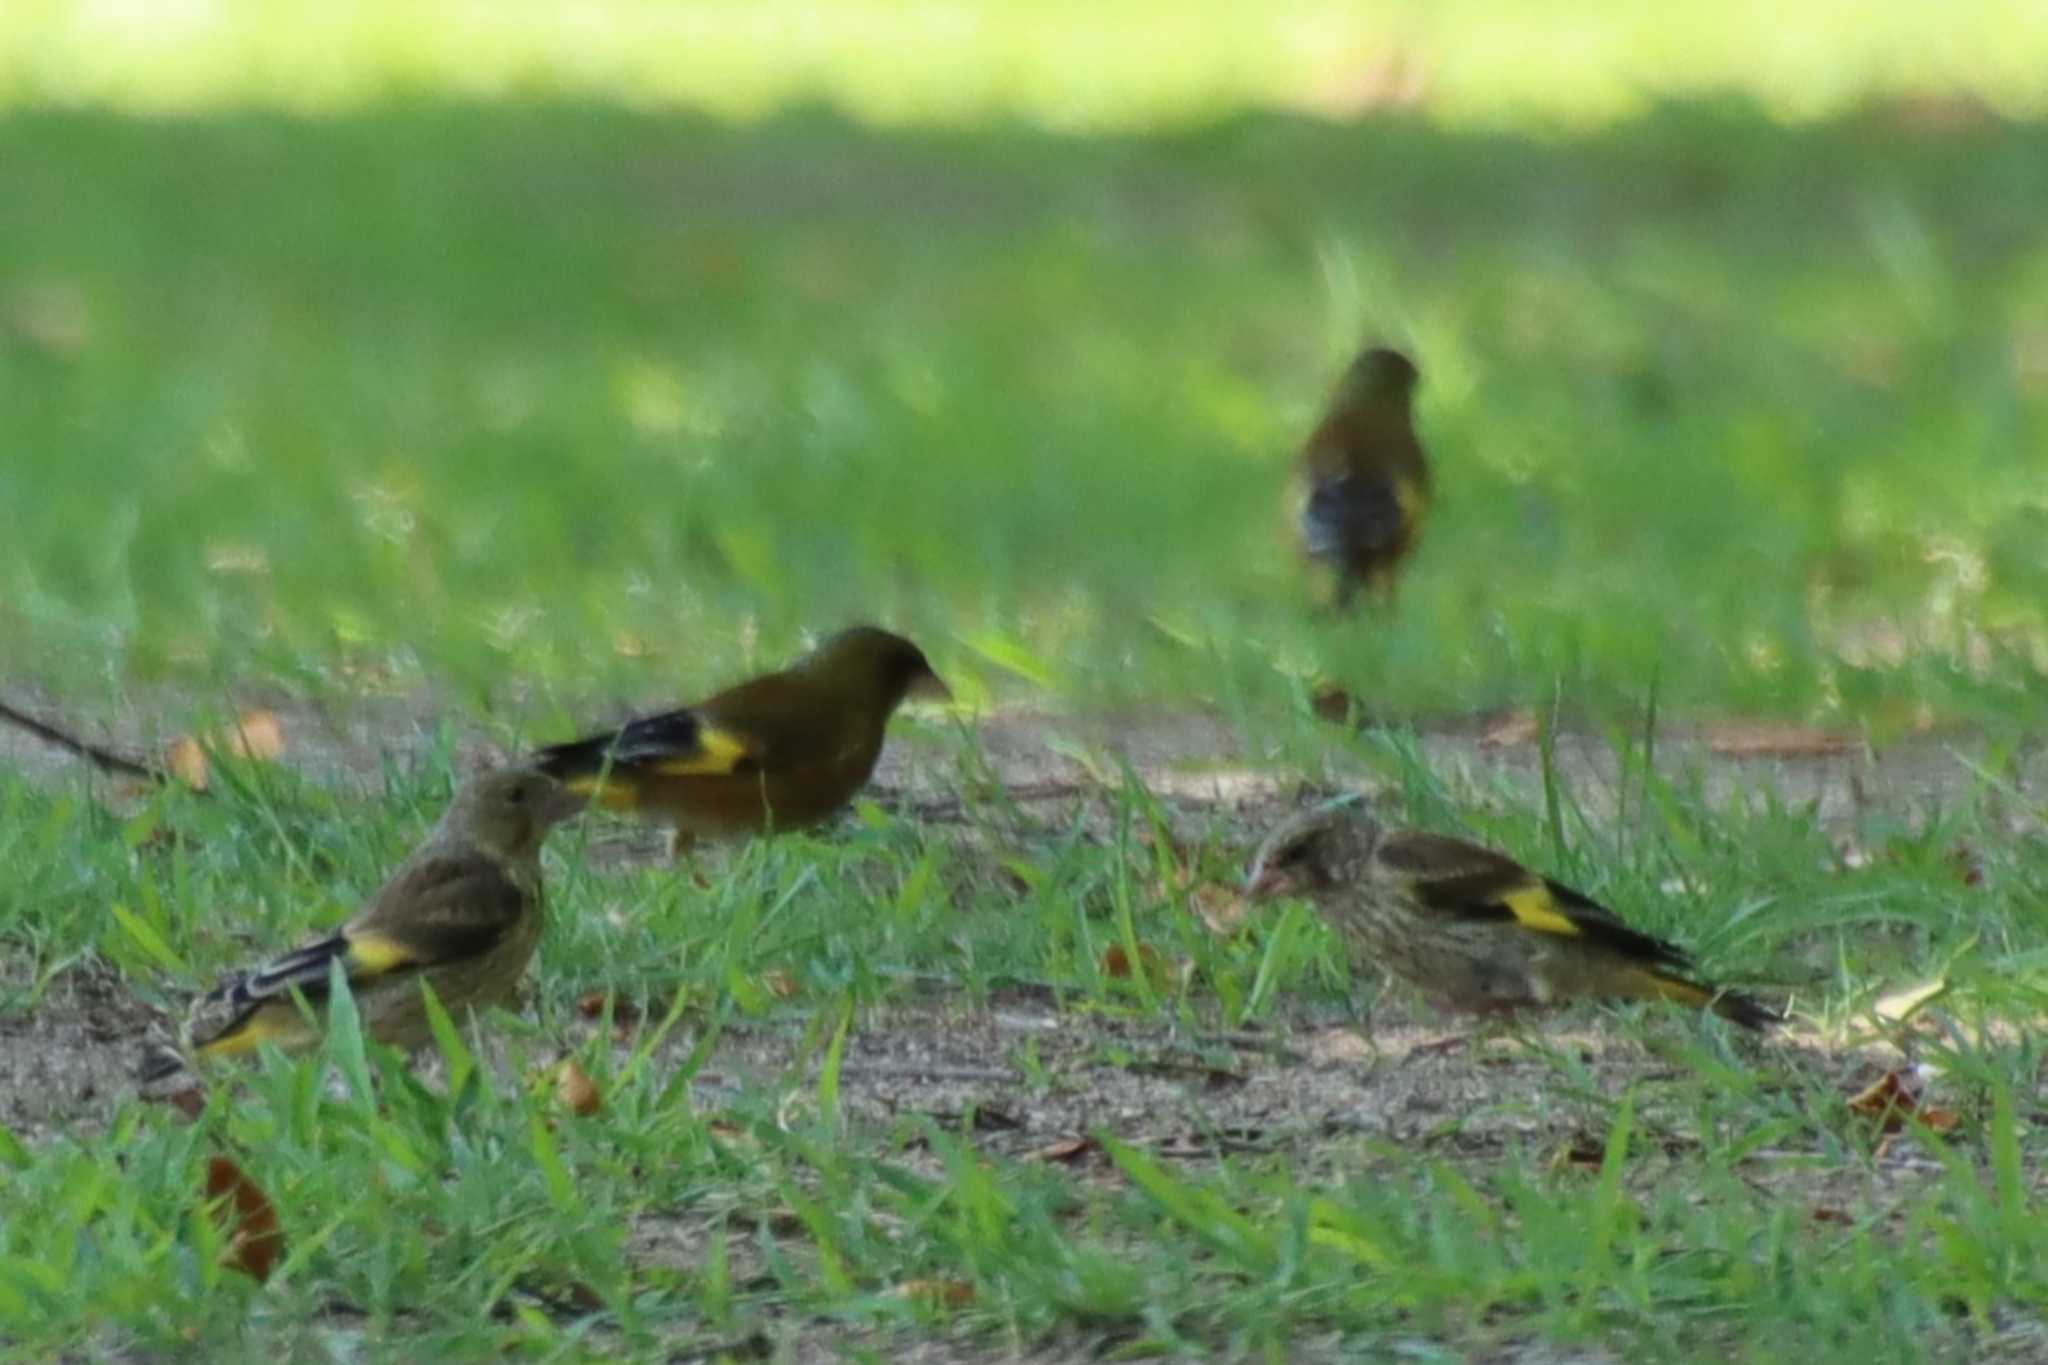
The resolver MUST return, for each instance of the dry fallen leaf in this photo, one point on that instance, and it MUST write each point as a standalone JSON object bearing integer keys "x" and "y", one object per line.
{"x": 1581, "y": 1155}
{"x": 626, "y": 1014}
{"x": 1774, "y": 739}
{"x": 1511, "y": 728}
{"x": 575, "y": 1090}
{"x": 1968, "y": 870}
{"x": 732, "y": 1135}
{"x": 1939, "y": 1118}
{"x": 779, "y": 983}
{"x": 1339, "y": 1046}
{"x": 1220, "y": 907}
{"x": 1065, "y": 1150}
{"x": 1895, "y": 1097}
{"x": 189, "y": 1101}
{"x": 1893, "y": 1094}
{"x": 937, "y": 1293}
{"x": 245, "y": 1213}
{"x": 1117, "y": 963}
{"x": 257, "y": 734}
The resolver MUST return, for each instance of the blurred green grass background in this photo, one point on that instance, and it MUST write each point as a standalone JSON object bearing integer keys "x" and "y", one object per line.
{"x": 557, "y": 390}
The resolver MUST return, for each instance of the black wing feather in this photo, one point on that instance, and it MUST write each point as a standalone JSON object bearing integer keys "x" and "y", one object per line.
{"x": 637, "y": 741}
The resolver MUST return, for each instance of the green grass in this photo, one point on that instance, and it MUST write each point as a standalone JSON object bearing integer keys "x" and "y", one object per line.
{"x": 461, "y": 1217}
{"x": 586, "y": 400}
{"x": 513, "y": 409}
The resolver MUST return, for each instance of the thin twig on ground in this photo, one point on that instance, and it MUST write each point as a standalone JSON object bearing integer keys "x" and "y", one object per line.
{"x": 106, "y": 760}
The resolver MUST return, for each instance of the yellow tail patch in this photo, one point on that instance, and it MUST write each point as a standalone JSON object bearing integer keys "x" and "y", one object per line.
{"x": 1672, "y": 988}
{"x": 276, "y": 1022}
{"x": 1533, "y": 908}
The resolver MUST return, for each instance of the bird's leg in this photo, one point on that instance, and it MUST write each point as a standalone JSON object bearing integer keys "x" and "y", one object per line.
{"x": 681, "y": 844}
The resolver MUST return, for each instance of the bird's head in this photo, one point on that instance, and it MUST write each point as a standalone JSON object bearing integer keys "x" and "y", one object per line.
{"x": 891, "y": 665}
{"x": 510, "y": 811}
{"x": 1322, "y": 848}
{"x": 1381, "y": 374}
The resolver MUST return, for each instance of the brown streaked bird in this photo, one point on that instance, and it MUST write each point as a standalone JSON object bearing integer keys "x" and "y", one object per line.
{"x": 1474, "y": 929}
{"x": 1365, "y": 483}
{"x": 778, "y": 752}
{"x": 462, "y": 913}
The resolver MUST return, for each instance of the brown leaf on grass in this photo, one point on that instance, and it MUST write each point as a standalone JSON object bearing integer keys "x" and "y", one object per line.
{"x": 1939, "y": 1118}
{"x": 1340, "y": 1047}
{"x": 1755, "y": 738}
{"x": 244, "y": 1212}
{"x": 1220, "y": 907}
{"x": 1509, "y": 729}
{"x": 731, "y": 1134}
{"x": 1895, "y": 1098}
{"x": 256, "y": 734}
{"x": 779, "y": 983}
{"x": 1824, "y": 1214}
{"x": 1116, "y": 962}
{"x": 1340, "y": 706}
{"x": 1968, "y": 870}
{"x": 936, "y": 1293}
{"x": 575, "y": 1091}
{"x": 1583, "y": 1154}
{"x": 190, "y": 1101}
{"x": 1065, "y": 1151}
{"x": 626, "y": 1014}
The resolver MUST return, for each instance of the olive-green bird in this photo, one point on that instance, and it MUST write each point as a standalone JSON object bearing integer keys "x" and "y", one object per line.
{"x": 1365, "y": 483}
{"x": 463, "y": 913}
{"x": 1474, "y": 929}
{"x": 778, "y": 752}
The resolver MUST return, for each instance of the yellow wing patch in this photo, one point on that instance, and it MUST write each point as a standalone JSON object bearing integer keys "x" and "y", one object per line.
{"x": 717, "y": 754}
{"x": 1409, "y": 498}
{"x": 373, "y": 955}
{"x": 1534, "y": 908}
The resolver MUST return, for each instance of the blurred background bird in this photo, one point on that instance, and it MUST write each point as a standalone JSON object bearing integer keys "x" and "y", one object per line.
{"x": 775, "y": 753}
{"x": 1365, "y": 483}
{"x": 1474, "y": 929}
{"x": 463, "y": 913}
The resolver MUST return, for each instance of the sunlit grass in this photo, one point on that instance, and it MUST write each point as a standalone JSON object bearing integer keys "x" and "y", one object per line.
{"x": 1065, "y": 64}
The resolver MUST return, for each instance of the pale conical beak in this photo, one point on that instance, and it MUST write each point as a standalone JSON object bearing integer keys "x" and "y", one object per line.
{"x": 929, "y": 687}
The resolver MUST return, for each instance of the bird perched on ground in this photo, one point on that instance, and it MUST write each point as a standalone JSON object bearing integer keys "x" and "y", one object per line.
{"x": 462, "y": 913}
{"x": 775, "y": 753}
{"x": 1474, "y": 929}
{"x": 1365, "y": 482}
